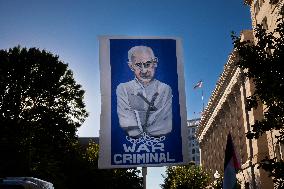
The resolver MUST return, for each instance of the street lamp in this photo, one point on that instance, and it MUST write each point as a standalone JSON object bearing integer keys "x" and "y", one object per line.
{"x": 216, "y": 175}
{"x": 216, "y": 179}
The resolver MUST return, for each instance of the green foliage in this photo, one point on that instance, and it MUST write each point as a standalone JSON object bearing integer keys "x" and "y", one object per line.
{"x": 92, "y": 153}
{"x": 218, "y": 183}
{"x": 41, "y": 107}
{"x": 276, "y": 170}
{"x": 263, "y": 62}
{"x": 185, "y": 177}
{"x": 105, "y": 178}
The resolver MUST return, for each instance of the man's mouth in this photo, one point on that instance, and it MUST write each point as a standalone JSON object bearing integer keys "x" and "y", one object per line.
{"x": 145, "y": 76}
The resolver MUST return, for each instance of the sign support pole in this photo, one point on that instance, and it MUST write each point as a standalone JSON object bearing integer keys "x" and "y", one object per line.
{"x": 144, "y": 174}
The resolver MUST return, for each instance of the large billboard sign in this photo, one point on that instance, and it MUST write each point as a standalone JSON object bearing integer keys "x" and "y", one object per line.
{"x": 143, "y": 113}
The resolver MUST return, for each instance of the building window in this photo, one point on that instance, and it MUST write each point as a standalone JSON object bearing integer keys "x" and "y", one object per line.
{"x": 247, "y": 185}
{"x": 278, "y": 152}
{"x": 261, "y": 2}
{"x": 256, "y": 7}
{"x": 264, "y": 23}
{"x": 273, "y": 2}
{"x": 282, "y": 11}
{"x": 193, "y": 158}
{"x": 193, "y": 151}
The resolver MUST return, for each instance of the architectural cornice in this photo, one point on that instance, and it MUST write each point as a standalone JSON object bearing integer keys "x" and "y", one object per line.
{"x": 223, "y": 87}
{"x": 225, "y": 83}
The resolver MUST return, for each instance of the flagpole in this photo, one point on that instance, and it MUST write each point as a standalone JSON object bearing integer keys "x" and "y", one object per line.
{"x": 202, "y": 97}
{"x": 199, "y": 85}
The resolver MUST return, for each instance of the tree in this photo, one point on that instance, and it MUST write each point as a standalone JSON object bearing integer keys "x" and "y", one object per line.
{"x": 218, "y": 183}
{"x": 41, "y": 107}
{"x": 263, "y": 64}
{"x": 83, "y": 172}
{"x": 114, "y": 178}
{"x": 185, "y": 177}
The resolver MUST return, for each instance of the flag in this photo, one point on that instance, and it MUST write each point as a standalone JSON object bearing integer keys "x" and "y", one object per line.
{"x": 198, "y": 84}
{"x": 231, "y": 165}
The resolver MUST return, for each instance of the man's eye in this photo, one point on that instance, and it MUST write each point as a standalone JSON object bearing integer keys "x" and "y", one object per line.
{"x": 147, "y": 65}
{"x": 138, "y": 65}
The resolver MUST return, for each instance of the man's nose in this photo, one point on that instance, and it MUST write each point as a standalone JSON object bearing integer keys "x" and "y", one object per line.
{"x": 144, "y": 70}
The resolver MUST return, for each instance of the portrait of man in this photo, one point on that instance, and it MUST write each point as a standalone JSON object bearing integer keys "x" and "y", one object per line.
{"x": 143, "y": 119}
{"x": 144, "y": 104}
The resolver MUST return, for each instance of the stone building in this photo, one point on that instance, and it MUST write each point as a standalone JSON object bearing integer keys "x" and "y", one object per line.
{"x": 226, "y": 113}
{"x": 194, "y": 155}
{"x": 265, "y": 12}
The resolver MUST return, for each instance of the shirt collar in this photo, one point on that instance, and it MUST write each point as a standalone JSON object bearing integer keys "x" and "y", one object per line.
{"x": 139, "y": 83}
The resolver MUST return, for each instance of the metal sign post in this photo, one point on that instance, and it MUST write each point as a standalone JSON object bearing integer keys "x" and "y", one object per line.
{"x": 144, "y": 174}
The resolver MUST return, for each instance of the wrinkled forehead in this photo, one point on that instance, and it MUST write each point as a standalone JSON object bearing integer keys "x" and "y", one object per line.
{"x": 140, "y": 54}
{"x": 141, "y": 57}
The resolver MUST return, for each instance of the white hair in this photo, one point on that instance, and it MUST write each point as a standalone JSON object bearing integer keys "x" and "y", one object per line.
{"x": 139, "y": 49}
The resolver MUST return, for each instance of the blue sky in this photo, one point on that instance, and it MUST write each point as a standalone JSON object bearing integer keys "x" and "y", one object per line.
{"x": 70, "y": 29}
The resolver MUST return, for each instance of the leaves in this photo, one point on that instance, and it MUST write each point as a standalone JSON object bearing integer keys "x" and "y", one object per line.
{"x": 263, "y": 63}
{"x": 275, "y": 169}
{"x": 41, "y": 107}
{"x": 183, "y": 177}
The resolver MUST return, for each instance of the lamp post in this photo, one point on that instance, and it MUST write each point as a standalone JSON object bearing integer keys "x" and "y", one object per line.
{"x": 216, "y": 178}
{"x": 216, "y": 175}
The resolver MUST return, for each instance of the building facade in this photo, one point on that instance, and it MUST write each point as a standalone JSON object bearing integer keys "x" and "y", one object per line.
{"x": 265, "y": 12}
{"x": 226, "y": 113}
{"x": 194, "y": 151}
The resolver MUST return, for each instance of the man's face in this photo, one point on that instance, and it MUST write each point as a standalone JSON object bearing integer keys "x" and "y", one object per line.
{"x": 143, "y": 67}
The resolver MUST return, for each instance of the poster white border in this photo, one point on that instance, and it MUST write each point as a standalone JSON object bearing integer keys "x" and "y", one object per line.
{"x": 105, "y": 117}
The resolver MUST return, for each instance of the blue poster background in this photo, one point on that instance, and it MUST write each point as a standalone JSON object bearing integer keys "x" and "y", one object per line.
{"x": 166, "y": 72}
